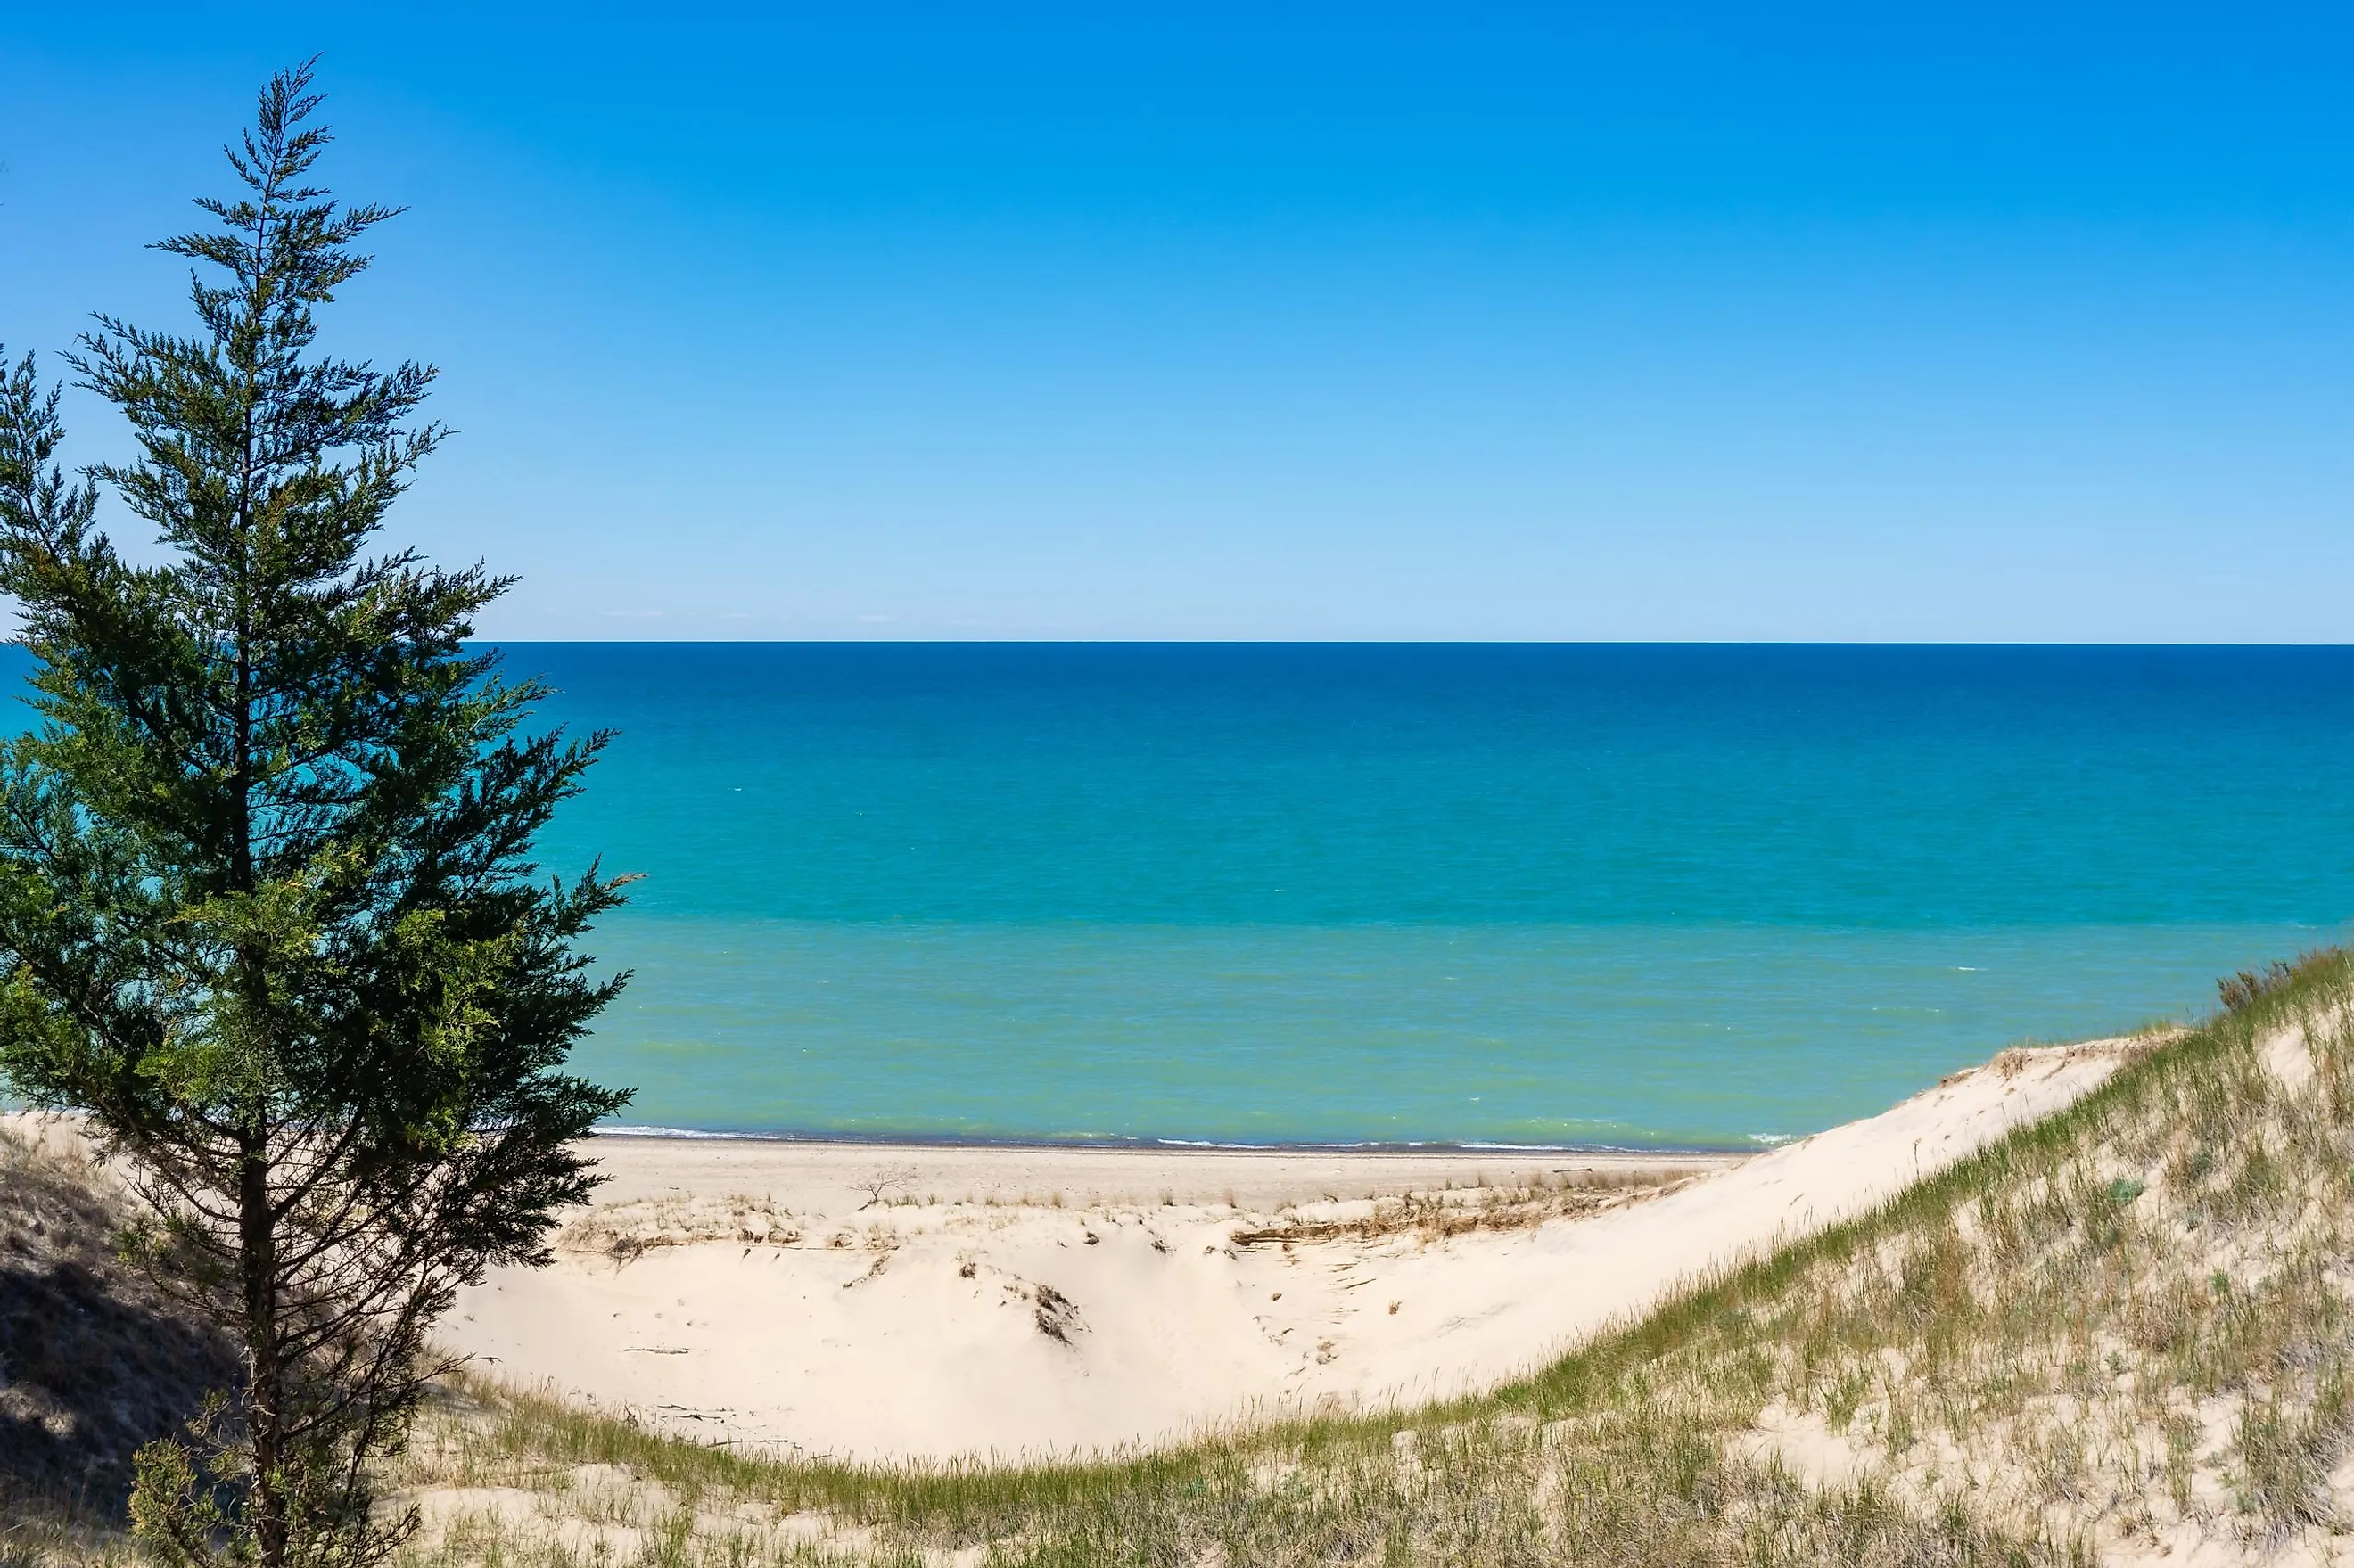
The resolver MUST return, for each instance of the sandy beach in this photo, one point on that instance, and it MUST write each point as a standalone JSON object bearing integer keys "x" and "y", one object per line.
{"x": 890, "y": 1302}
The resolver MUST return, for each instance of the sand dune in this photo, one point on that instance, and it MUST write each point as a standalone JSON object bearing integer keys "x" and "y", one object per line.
{"x": 816, "y": 1297}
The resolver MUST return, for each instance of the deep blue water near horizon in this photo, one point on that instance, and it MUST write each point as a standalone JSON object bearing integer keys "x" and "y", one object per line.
{"x": 1510, "y": 894}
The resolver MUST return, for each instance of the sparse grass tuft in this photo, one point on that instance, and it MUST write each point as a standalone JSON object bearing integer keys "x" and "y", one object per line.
{"x": 1434, "y": 1216}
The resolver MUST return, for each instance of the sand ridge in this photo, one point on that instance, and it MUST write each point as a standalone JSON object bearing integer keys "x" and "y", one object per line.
{"x": 814, "y": 1298}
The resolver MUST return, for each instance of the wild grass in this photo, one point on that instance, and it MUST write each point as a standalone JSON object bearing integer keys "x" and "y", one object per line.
{"x": 625, "y": 1231}
{"x": 2126, "y": 1329}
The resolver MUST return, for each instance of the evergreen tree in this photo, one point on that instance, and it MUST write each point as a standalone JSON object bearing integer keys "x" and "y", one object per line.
{"x": 267, "y": 910}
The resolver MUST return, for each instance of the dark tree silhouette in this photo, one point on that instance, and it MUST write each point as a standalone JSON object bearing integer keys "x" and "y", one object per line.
{"x": 267, "y": 910}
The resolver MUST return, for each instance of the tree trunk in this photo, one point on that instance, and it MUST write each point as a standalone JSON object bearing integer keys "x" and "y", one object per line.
{"x": 265, "y": 1412}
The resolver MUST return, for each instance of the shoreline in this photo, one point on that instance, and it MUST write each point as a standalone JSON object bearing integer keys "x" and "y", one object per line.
{"x": 838, "y": 1176}
{"x": 893, "y": 1302}
{"x": 1756, "y": 1143}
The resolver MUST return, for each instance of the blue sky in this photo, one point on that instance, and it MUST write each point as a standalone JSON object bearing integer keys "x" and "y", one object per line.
{"x": 1300, "y": 322}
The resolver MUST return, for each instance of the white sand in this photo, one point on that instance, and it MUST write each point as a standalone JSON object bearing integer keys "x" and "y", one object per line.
{"x": 771, "y": 1309}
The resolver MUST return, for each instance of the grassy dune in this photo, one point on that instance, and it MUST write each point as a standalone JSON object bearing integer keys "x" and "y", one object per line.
{"x": 2122, "y": 1330}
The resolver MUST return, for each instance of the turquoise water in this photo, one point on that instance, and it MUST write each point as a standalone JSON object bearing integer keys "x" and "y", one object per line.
{"x": 1475, "y": 894}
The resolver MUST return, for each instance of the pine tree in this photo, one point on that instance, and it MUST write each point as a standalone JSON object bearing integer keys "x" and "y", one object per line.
{"x": 267, "y": 915}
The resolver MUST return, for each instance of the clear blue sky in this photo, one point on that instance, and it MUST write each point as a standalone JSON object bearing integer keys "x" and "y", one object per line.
{"x": 1289, "y": 321}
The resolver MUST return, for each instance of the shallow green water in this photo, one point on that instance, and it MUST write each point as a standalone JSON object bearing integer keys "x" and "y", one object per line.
{"x": 1690, "y": 896}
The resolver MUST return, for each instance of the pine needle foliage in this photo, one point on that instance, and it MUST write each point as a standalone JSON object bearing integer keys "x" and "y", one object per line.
{"x": 267, "y": 913}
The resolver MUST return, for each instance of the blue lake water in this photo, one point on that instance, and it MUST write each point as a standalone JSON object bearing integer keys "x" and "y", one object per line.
{"x": 1626, "y": 896}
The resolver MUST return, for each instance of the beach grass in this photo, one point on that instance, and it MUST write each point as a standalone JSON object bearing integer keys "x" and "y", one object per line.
{"x": 2124, "y": 1327}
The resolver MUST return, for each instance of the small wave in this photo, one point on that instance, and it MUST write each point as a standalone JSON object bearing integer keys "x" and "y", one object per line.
{"x": 617, "y": 1129}
{"x": 1270, "y": 1148}
{"x": 1523, "y": 1148}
